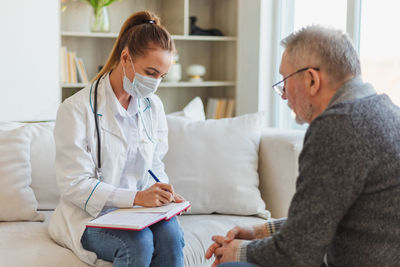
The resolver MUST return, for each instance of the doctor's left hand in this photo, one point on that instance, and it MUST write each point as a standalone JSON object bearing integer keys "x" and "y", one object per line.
{"x": 156, "y": 195}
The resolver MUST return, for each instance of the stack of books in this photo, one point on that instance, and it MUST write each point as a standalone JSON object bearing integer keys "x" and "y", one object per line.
{"x": 72, "y": 67}
{"x": 218, "y": 108}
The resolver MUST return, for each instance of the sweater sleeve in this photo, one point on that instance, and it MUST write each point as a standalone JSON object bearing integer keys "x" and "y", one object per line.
{"x": 331, "y": 176}
{"x": 271, "y": 227}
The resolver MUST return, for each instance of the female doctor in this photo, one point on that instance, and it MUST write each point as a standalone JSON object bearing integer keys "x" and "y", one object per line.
{"x": 107, "y": 137}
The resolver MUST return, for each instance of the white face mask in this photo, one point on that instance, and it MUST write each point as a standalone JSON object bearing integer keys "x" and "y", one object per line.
{"x": 142, "y": 86}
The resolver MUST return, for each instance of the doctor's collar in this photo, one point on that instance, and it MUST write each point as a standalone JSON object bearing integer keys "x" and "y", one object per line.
{"x": 117, "y": 108}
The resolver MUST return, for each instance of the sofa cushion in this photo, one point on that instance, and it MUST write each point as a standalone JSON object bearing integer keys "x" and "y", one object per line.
{"x": 42, "y": 158}
{"x": 29, "y": 244}
{"x": 198, "y": 230}
{"x": 278, "y": 165}
{"x": 31, "y": 239}
{"x": 213, "y": 164}
{"x": 17, "y": 199}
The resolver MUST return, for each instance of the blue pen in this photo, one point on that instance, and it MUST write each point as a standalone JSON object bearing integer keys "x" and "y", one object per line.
{"x": 154, "y": 176}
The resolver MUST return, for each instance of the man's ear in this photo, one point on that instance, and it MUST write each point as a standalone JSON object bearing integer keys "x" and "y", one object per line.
{"x": 313, "y": 80}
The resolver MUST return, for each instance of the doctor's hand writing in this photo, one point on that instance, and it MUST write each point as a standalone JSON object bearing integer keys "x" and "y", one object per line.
{"x": 155, "y": 196}
{"x": 178, "y": 198}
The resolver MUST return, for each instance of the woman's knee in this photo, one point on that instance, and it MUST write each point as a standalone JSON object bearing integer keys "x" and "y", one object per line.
{"x": 123, "y": 248}
{"x": 168, "y": 233}
{"x": 140, "y": 240}
{"x": 138, "y": 247}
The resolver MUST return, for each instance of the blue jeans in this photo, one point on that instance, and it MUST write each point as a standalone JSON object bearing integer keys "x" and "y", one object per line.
{"x": 158, "y": 245}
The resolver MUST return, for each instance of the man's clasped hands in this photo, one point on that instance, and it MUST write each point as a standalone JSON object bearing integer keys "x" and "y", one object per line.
{"x": 225, "y": 248}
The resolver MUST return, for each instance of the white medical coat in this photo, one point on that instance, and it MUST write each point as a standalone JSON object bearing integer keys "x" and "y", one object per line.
{"x": 76, "y": 159}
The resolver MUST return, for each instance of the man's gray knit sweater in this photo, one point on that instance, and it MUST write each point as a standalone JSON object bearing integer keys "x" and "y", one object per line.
{"x": 347, "y": 200}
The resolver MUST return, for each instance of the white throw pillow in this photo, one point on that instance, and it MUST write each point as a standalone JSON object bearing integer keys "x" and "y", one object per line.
{"x": 42, "y": 156}
{"x": 193, "y": 111}
{"x": 17, "y": 200}
{"x": 213, "y": 164}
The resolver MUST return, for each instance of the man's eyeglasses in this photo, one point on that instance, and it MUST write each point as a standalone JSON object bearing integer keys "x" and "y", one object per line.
{"x": 279, "y": 87}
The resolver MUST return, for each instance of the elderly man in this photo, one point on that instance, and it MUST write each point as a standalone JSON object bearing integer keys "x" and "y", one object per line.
{"x": 346, "y": 209}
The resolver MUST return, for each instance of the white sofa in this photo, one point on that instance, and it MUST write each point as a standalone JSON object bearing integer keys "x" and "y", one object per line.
{"x": 27, "y": 243}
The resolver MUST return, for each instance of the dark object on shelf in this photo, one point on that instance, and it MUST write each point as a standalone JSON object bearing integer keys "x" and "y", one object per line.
{"x": 194, "y": 30}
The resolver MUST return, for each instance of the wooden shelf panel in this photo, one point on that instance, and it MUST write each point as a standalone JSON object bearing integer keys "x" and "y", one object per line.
{"x": 203, "y": 38}
{"x": 169, "y": 84}
{"x": 89, "y": 34}
{"x": 73, "y": 85}
{"x": 198, "y": 84}
{"x": 175, "y": 37}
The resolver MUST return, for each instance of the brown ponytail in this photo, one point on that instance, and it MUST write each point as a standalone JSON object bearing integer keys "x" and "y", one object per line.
{"x": 137, "y": 33}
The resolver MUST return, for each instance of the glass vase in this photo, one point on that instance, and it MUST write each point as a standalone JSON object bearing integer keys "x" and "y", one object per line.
{"x": 100, "y": 20}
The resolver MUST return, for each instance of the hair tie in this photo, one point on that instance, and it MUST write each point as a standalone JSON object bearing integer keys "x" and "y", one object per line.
{"x": 149, "y": 21}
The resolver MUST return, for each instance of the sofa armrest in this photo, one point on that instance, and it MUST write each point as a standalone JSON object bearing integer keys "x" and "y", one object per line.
{"x": 278, "y": 168}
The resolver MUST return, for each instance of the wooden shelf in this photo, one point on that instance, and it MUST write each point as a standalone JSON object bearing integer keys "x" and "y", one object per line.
{"x": 73, "y": 85}
{"x": 203, "y": 38}
{"x": 175, "y": 37}
{"x": 89, "y": 34}
{"x": 198, "y": 84}
{"x": 169, "y": 84}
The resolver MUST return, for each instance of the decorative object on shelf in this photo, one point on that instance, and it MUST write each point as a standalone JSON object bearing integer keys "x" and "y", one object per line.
{"x": 175, "y": 72}
{"x": 195, "y": 72}
{"x": 100, "y": 19}
{"x": 195, "y": 30}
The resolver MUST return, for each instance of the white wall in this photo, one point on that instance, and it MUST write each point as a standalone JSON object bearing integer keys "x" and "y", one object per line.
{"x": 29, "y": 60}
{"x": 256, "y": 57}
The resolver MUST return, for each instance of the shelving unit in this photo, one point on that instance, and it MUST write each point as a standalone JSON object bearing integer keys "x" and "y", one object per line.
{"x": 217, "y": 53}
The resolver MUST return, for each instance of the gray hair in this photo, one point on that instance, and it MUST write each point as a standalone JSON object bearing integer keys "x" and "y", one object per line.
{"x": 329, "y": 49}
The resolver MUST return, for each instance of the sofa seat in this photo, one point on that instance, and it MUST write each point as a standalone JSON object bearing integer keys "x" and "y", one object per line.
{"x": 29, "y": 244}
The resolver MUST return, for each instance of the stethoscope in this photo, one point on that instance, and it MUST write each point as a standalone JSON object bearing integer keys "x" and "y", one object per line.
{"x": 96, "y": 120}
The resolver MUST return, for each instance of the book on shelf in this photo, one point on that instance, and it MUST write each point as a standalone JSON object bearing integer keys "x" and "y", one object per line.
{"x": 211, "y": 107}
{"x": 218, "y": 108}
{"x": 82, "y": 75}
{"x": 72, "y": 67}
{"x": 137, "y": 217}
{"x": 230, "y": 108}
{"x": 74, "y": 76}
{"x": 63, "y": 64}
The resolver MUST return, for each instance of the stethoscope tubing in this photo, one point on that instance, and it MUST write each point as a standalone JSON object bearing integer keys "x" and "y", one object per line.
{"x": 96, "y": 120}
